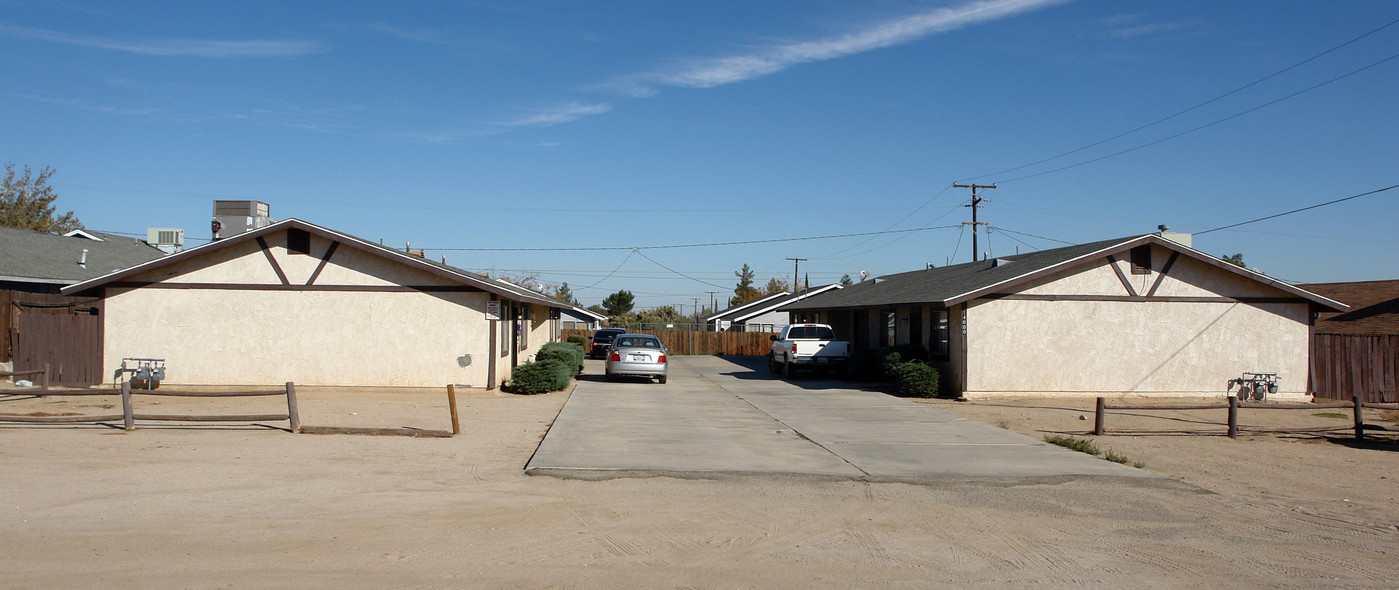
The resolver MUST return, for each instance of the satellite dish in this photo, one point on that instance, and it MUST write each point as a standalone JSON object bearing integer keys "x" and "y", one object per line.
{"x": 864, "y": 275}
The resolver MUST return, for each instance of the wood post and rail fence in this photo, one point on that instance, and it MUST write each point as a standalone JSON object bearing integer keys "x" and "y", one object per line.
{"x": 707, "y": 343}
{"x": 1356, "y": 405}
{"x": 128, "y": 416}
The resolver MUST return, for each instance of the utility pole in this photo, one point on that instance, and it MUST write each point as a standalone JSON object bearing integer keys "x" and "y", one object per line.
{"x": 696, "y": 300}
{"x": 976, "y": 201}
{"x": 712, "y": 309}
{"x": 796, "y": 263}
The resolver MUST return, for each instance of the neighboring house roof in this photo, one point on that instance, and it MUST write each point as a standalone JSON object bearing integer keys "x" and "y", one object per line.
{"x": 1374, "y": 307}
{"x": 587, "y": 312}
{"x": 732, "y": 312}
{"x": 774, "y": 303}
{"x": 37, "y": 257}
{"x": 950, "y": 285}
{"x": 500, "y": 288}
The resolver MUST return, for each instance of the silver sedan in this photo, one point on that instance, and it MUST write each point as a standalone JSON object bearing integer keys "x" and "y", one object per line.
{"x": 637, "y": 354}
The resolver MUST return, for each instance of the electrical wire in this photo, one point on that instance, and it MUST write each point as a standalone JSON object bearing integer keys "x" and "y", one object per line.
{"x": 614, "y": 271}
{"x": 673, "y": 246}
{"x": 1333, "y": 202}
{"x": 643, "y": 255}
{"x": 1205, "y": 126}
{"x": 1187, "y": 110}
{"x": 1002, "y": 229}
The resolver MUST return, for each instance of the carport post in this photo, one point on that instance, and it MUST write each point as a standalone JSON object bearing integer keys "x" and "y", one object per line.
{"x": 1098, "y": 416}
{"x": 128, "y": 420}
{"x": 292, "y": 414}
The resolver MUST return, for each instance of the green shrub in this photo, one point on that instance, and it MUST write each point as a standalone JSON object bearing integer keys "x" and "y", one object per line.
{"x": 567, "y": 353}
{"x": 889, "y": 362}
{"x": 917, "y": 379}
{"x": 578, "y": 339}
{"x": 541, "y": 377}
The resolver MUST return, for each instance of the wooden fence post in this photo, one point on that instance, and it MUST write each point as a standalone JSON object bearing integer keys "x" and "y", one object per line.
{"x": 452, "y": 402}
{"x": 128, "y": 418}
{"x": 1098, "y": 417}
{"x": 293, "y": 414}
{"x": 1233, "y": 416}
{"x": 1359, "y": 417}
{"x": 46, "y": 377}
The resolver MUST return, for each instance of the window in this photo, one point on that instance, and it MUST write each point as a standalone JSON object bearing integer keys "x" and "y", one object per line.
{"x": 1141, "y": 260}
{"x": 818, "y": 332}
{"x": 298, "y": 241}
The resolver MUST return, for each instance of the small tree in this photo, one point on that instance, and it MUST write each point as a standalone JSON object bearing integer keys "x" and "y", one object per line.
{"x": 775, "y": 286}
{"x": 26, "y": 202}
{"x": 619, "y": 303}
{"x": 744, "y": 291}
{"x": 1236, "y": 259}
{"x": 845, "y": 281}
{"x": 565, "y": 295}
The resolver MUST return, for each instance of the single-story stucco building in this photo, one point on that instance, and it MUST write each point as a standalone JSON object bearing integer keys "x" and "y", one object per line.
{"x": 294, "y": 301}
{"x": 1141, "y": 315}
{"x": 761, "y": 315}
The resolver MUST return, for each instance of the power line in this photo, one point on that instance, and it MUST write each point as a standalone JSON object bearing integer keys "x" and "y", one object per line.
{"x": 673, "y": 246}
{"x": 1364, "y": 194}
{"x": 1002, "y": 229}
{"x": 1206, "y": 125}
{"x": 1187, "y": 110}
{"x": 639, "y": 253}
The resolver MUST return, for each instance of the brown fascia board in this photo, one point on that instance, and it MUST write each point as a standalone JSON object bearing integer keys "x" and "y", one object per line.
{"x": 1316, "y": 300}
{"x": 334, "y": 236}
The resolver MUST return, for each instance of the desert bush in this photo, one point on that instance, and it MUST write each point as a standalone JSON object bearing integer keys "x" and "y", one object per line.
{"x": 567, "y": 353}
{"x": 541, "y": 377}
{"x": 916, "y": 378}
{"x": 1077, "y": 444}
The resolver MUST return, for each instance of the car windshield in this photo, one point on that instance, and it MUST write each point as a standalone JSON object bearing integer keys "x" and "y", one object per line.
{"x": 818, "y": 332}
{"x": 606, "y": 334}
{"x": 634, "y": 342}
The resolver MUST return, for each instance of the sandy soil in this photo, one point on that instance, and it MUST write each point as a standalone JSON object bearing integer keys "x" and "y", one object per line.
{"x": 254, "y": 506}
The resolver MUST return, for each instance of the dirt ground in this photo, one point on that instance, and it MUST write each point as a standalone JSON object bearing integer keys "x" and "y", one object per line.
{"x": 199, "y": 506}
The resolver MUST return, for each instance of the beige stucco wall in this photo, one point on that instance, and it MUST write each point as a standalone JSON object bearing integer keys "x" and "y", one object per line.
{"x": 1126, "y": 347}
{"x": 260, "y": 337}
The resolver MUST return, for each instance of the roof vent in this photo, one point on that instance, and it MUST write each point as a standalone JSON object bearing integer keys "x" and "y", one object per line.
{"x": 995, "y": 262}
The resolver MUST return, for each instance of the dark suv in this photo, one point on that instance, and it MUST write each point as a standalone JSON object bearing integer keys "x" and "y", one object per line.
{"x": 602, "y": 339}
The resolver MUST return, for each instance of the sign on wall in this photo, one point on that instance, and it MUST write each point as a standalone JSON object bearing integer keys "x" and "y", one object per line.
{"x": 492, "y": 310}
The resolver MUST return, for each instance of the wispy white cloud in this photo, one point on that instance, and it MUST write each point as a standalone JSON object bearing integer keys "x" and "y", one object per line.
{"x": 711, "y": 72}
{"x": 1128, "y": 26}
{"x": 563, "y": 114}
{"x": 409, "y": 34}
{"x": 173, "y": 47}
{"x": 79, "y": 104}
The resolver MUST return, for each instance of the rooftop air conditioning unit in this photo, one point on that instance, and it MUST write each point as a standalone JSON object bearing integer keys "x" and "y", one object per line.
{"x": 237, "y": 217}
{"x": 168, "y": 239}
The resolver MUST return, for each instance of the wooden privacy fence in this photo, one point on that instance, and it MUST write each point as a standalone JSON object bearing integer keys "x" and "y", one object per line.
{"x": 129, "y": 416}
{"x": 710, "y": 343}
{"x": 1347, "y": 363}
{"x": 1357, "y": 406}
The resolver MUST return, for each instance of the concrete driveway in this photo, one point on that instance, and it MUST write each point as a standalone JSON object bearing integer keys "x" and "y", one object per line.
{"x": 717, "y": 415}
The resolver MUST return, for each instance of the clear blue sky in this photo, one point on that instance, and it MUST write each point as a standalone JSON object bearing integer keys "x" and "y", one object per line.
{"x": 466, "y": 125}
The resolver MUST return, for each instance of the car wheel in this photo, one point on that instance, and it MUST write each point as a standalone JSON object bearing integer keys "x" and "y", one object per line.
{"x": 773, "y": 367}
{"x": 661, "y": 379}
{"x": 787, "y": 370}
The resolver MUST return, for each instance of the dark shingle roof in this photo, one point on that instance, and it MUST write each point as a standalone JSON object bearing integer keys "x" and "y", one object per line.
{"x": 37, "y": 257}
{"x": 955, "y": 284}
{"x": 942, "y": 285}
{"x": 1374, "y": 307}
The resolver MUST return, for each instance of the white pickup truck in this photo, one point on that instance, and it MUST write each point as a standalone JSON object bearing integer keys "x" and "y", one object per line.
{"x": 810, "y": 346}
